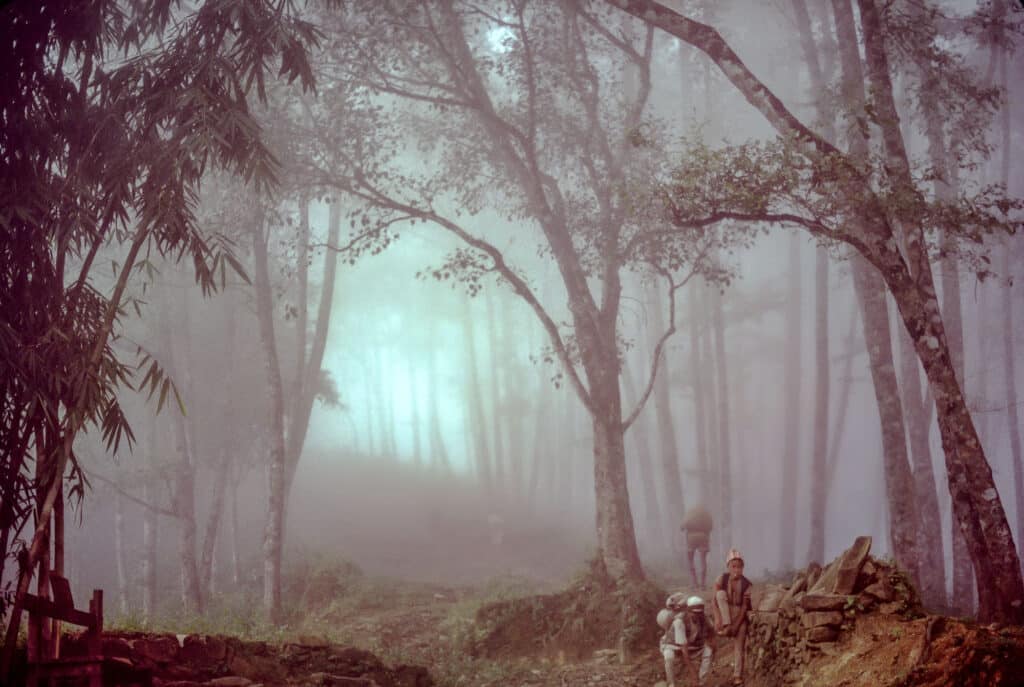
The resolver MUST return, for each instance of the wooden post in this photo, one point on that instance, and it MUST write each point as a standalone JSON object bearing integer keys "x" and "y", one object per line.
{"x": 58, "y": 553}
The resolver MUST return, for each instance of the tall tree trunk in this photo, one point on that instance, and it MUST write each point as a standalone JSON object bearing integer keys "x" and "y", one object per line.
{"x": 1009, "y": 353}
{"x": 615, "y": 533}
{"x": 819, "y": 454}
{"x": 414, "y": 411}
{"x": 475, "y": 405}
{"x": 903, "y": 515}
{"x": 842, "y": 400}
{"x": 149, "y": 552}
{"x": 697, "y": 363}
{"x": 899, "y": 482}
{"x": 184, "y": 493}
{"x": 236, "y": 567}
{"x": 438, "y": 450}
{"x": 370, "y": 409}
{"x": 540, "y": 457}
{"x": 120, "y": 556}
{"x": 819, "y": 457}
{"x": 213, "y": 518}
{"x": 498, "y": 366}
{"x": 668, "y": 446}
{"x": 273, "y": 534}
{"x": 933, "y": 558}
{"x": 724, "y": 456}
{"x": 707, "y": 354}
{"x": 793, "y": 372}
{"x": 309, "y": 366}
{"x": 222, "y": 468}
{"x": 645, "y": 469}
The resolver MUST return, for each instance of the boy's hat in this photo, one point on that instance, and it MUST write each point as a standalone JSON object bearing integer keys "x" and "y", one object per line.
{"x": 695, "y": 604}
{"x": 734, "y": 554}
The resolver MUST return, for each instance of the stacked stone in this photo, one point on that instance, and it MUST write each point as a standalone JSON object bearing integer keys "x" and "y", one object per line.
{"x": 791, "y": 625}
{"x": 210, "y": 661}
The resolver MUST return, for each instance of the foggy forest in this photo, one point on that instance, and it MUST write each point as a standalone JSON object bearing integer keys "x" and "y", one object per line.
{"x": 419, "y": 327}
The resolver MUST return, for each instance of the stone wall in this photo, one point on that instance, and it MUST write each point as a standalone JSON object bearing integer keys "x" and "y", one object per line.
{"x": 214, "y": 661}
{"x": 792, "y": 624}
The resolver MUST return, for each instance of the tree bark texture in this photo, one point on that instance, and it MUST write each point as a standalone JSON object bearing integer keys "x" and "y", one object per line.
{"x": 1009, "y": 351}
{"x": 273, "y": 536}
{"x": 899, "y": 482}
{"x": 933, "y": 560}
{"x": 653, "y": 528}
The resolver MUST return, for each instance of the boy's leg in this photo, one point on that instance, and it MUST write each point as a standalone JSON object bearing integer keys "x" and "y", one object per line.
{"x": 722, "y": 601}
{"x": 741, "y": 647}
{"x": 670, "y": 665}
{"x": 705, "y": 663}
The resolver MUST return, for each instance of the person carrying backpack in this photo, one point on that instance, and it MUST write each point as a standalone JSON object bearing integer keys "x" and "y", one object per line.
{"x": 697, "y": 525}
{"x": 688, "y": 636}
{"x": 732, "y": 608}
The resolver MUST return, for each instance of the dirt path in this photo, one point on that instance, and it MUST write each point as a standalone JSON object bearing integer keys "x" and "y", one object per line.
{"x": 430, "y": 628}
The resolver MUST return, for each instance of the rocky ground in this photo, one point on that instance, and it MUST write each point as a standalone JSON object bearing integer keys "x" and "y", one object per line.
{"x": 854, "y": 623}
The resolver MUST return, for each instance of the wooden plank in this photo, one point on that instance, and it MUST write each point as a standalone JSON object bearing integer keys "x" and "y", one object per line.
{"x": 61, "y": 589}
{"x": 45, "y": 607}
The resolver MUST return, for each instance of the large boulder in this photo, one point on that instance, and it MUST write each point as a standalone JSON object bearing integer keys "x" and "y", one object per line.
{"x": 840, "y": 577}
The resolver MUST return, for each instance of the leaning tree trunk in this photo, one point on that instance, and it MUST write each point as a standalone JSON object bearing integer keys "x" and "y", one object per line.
{"x": 933, "y": 559}
{"x": 976, "y": 502}
{"x": 946, "y": 186}
{"x": 899, "y": 482}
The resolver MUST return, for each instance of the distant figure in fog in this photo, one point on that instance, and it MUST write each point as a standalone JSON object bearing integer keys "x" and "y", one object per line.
{"x": 697, "y": 525}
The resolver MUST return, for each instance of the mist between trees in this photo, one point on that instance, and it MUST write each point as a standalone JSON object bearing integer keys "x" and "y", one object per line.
{"x": 492, "y": 288}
